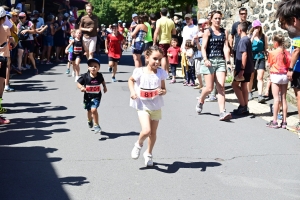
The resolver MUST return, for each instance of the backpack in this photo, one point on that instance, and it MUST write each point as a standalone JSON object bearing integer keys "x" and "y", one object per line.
{"x": 23, "y": 27}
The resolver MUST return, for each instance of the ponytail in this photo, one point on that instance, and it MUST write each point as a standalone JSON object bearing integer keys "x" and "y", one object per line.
{"x": 280, "y": 40}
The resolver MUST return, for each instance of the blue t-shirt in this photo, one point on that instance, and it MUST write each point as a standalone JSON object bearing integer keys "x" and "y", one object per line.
{"x": 295, "y": 43}
{"x": 71, "y": 47}
{"x": 258, "y": 47}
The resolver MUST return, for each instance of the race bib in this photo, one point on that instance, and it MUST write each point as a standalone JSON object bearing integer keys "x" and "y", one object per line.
{"x": 296, "y": 43}
{"x": 148, "y": 94}
{"x": 92, "y": 89}
{"x": 77, "y": 49}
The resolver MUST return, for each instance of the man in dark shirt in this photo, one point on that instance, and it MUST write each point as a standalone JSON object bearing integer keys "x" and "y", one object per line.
{"x": 64, "y": 7}
{"x": 243, "y": 69}
{"x": 234, "y": 34}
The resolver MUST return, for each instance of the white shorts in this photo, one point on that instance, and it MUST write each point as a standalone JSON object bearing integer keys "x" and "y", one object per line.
{"x": 280, "y": 79}
{"x": 197, "y": 66}
{"x": 89, "y": 44}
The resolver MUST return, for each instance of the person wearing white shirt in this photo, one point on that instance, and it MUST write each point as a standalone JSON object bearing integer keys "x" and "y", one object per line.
{"x": 40, "y": 22}
{"x": 189, "y": 31}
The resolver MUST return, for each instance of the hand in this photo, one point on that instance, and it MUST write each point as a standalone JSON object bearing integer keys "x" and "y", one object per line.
{"x": 106, "y": 51}
{"x": 161, "y": 91}
{"x": 290, "y": 75}
{"x": 229, "y": 67}
{"x": 196, "y": 37}
{"x": 89, "y": 29}
{"x": 255, "y": 32}
{"x": 105, "y": 89}
{"x": 133, "y": 96}
{"x": 82, "y": 89}
{"x": 241, "y": 73}
{"x": 71, "y": 41}
{"x": 24, "y": 32}
{"x": 207, "y": 63}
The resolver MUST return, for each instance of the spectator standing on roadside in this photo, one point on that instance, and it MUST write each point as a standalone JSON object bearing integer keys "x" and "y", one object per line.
{"x": 165, "y": 28}
{"x": 88, "y": 26}
{"x": 64, "y": 7}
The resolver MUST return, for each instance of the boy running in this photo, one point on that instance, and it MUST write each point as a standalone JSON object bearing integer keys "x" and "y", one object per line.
{"x": 89, "y": 83}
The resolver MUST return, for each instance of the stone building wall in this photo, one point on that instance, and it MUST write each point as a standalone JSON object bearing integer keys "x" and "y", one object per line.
{"x": 263, "y": 10}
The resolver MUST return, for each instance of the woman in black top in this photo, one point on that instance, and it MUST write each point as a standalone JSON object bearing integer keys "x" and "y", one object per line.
{"x": 216, "y": 55}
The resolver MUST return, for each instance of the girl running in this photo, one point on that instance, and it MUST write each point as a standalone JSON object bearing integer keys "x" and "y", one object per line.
{"x": 147, "y": 85}
{"x": 77, "y": 52}
{"x": 113, "y": 44}
{"x": 69, "y": 52}
{"x": 279, "y": 61}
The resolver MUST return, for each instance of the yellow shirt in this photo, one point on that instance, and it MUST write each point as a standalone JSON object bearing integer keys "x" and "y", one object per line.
{"x": 165, "y": 34}
{"x": 14, "y": 33}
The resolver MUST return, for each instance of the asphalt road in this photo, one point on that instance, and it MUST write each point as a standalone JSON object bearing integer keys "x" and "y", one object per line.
{"x": 48, "y": 151}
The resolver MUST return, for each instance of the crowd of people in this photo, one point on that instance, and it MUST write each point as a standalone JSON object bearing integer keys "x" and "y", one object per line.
{"x": 203, "y": 51}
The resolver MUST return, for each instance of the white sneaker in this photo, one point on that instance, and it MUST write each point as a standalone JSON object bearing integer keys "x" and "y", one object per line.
{"x": 148, "y": 159}
{"x": 73, "y": 74}
{"x": 76, "y": 78}
{"x": 135, "y": 153}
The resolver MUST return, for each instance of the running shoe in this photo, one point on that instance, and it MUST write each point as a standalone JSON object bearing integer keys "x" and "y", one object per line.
{"x": 97, "y": 129}
{"x": 241, "y": 110}
{"x": 250, "y": 96}
{"x": 19, "y": 71}
{"x": 283, "y": 125}
{"x": 4, "y": 121}
{"x": 261, "y": 99}
{"x": 199, "y": 107}
{"x": 191, "y": 85}
{"x": 110, "y": 69}
{"x": 148, "y": 159}
{"x": 76, "y": 78}
{"x": 113, "y": 79}
{"x": 294, "y": 128}
{"x": 35, "y": 72}
{"x": 272, "y": 124}
{"x": 68, "y": 71}
{"x": 73, "y": 74}
{"x": 211, "y": 99}
{"x": 8, "y": 89}
{"x": 135, "y": 153}
{"x": 90, "y": 124}
{"x": 172, "y": 81}
{"x": 225, "y": 116}
{"x": 2, "y": 110}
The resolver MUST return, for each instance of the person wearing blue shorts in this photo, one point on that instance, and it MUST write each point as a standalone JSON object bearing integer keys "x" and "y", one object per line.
{"x": 90, "y": 83}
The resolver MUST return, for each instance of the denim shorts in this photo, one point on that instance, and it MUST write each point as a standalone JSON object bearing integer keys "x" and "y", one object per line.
{"x": 92, "y": 103}
{"x": 48, "y": 41}
{"x": 217, "y": 65}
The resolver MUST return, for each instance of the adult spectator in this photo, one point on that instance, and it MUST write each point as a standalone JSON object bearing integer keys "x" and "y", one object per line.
{"x": 48, "y": 38}
{"x": 153, "y": 23}
{"x": 21, "y": 6}
{"x": 37, "y": 16}
{"x": 165, "y": 28}
{"x": 109, "y": 30}
{"x": 38, "y": 38}
{"x": 89, "y": 25}
{"x": 288, "y": 14}
{"x": 120, "y": 27}
{"x": 148, "y": 38}
{"x": 59, "y": 39}
{"x": 139, "y": 34}
{"x": 4, "y": 53}
{"x": 65, "y": 7}
{"x": 189, "y": 31}
{"x": 234, "y": 37}
{"x": 26, "y": 29}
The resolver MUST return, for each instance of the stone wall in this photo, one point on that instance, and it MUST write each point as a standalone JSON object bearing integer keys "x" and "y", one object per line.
{"x": 263, "y": 10}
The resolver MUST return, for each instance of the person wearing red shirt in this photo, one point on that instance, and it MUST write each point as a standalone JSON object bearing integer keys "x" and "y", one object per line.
{"x": 113, "y": 44}
{"x": 173, "y": 58}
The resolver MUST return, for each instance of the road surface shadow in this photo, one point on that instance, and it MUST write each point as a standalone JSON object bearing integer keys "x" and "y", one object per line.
{"x": 106, "y": 135}
{"x": 27, "y": 173}
{"x": 175, "y": 166}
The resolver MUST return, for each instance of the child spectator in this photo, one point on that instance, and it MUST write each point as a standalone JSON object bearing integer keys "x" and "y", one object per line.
{"x": 173, "y": 52}
{"x": 190, "y": 71}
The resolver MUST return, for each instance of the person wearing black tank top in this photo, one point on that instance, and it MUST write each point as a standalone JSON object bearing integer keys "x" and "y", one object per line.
{"x": 215, "y": 51}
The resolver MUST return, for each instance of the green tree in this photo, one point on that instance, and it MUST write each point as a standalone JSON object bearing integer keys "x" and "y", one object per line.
{"x": 105, "y": 12}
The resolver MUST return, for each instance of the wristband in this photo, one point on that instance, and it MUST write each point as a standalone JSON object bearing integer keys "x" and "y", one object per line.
{"x": 290, "y": 69}
{"x": 228, "y": 63}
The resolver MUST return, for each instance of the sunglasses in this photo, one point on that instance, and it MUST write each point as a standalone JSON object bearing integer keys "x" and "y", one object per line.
{"x": 199, "y": 24}
{"x": 21, "y": 17}
{"x": 243, "y": 13}
{"x": 93, "y": 66}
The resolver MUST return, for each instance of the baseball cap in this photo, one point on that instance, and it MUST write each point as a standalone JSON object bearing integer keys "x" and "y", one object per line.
{"x": 114, "y": 25}
{"x": 35, "y": 12}
{"x": 2, "y": 12}
{"x": 72, "y": 19}
{"x": 93, "y": 60}
{"x": 22, "y": 14}
{"x": 134, "y": 15}
{"x": 201, "y": 21}
{"x": 8, "y": 14}
{"x": 119, "y": 21}
{"x": 256, "y": 23}
{"x": 188, "y": 16}
{"x": 66, "y": 15}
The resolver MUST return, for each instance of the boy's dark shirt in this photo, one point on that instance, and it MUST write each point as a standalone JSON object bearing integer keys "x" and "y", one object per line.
{"x": 235, "y": 33}
{"x": 86, "y": 79}
{"x": 244, "y": 45}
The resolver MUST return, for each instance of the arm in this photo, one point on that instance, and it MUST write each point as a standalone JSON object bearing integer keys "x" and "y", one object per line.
{"x": 204, "y": 47}
{"x": 226, "y": 49}
{"x": 81, "y": 87}
{"x": 162, "y": 90}
{"x": 230, "y": 41}
{"x": 53, "y": 31}
{"x": 104, "y": 86}
{"x": 266, "y": 46}
{"x": 136, "y": 30}
{"x": 106, "y": 45}
{"x": 294, "y": 58}
{"x": 70, "y": 44}
{"x": 157, "y": 30}
{"x": 41, "y": 30}
{"x": 131, "y": 87}
{"x": 244, "y": 60}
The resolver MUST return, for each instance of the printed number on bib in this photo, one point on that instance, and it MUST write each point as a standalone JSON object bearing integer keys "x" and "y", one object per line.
{"x": 146, "y": 94}
{"x": 92, "y": 89}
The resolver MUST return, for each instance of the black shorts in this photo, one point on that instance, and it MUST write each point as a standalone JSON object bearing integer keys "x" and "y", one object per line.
{"x": 26, "y": 45}
{"x": 247, "y": 77}
{"x": 261, "y": 64}
{"x": 75, "y": 56}
{"x": 113, "y": 59}
{"x": 3, "y": 67}
{"x": 295, "y": 83}
{"x": 148, "y": 45}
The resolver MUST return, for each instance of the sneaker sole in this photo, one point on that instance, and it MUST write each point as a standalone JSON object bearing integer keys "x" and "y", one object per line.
{"x": 227, "y": 117}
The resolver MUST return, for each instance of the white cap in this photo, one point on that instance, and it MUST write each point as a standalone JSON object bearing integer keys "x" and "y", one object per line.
{"x": 201, "y": 21}
{"x": 2, "y": 12}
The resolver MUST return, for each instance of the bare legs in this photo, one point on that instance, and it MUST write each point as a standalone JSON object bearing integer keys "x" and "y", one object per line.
{"x": 137, "y": 60}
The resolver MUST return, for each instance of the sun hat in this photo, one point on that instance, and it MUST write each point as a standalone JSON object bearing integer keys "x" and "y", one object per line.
{"x": 256, "y": 23}
{"x": 188, "y": 16}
